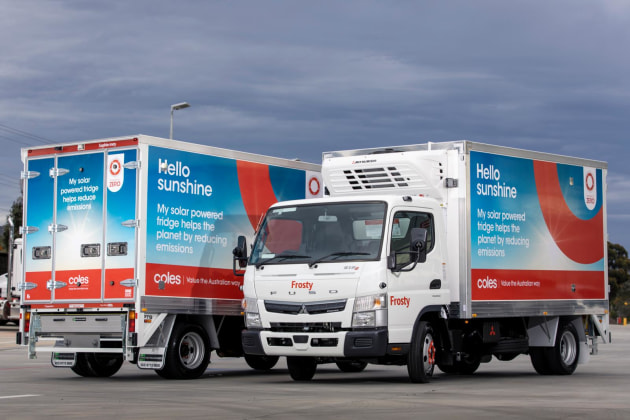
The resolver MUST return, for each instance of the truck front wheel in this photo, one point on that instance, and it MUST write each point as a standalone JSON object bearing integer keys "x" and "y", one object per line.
{"x": 188, "y": 353}
{"x": 422, "y": 355}
{"x": 261, "y": 362}
{"x": 301, "y": 368}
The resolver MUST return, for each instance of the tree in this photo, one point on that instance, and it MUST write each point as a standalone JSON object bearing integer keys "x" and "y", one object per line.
{"x": 16, "y": 214}
{"x": 618, "y": 276}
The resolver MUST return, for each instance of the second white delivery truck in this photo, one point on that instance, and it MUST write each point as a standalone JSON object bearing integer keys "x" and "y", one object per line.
{"x": 437, "y": 254}
{"x": 128, "y": 250}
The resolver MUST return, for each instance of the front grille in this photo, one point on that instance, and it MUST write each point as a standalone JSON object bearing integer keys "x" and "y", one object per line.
{"x": 301, "y": 327}
{"x": 305, "y": 308}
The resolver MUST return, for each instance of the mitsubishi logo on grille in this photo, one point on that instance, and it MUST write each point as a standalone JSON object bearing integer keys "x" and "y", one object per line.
{"x": 302, "y": 310}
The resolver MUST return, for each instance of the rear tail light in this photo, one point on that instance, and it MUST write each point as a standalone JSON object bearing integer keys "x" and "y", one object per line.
{"x": 132, "y": 321}
{"x": 27, "y": 321}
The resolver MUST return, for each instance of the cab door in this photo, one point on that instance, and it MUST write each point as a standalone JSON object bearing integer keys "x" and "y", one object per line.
{"x": 411, "y": 288}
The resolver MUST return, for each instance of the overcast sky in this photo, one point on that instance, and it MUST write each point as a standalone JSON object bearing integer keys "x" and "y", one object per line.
{"x": 296, "y": 78}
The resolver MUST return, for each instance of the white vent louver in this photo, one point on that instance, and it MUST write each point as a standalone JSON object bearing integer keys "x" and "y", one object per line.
{"x": 408, "y": 173}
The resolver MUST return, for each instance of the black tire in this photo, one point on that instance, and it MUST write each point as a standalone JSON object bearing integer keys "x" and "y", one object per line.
{"x": 82, "y": 366}
{"x": 104, "y": 365}
{"x": 449, "y": 369}
{"x": 506, "y": 357}
{"x": 539, "y": 358}
{"x": 188, "y": 353}
{"x": 351, "y": 366}
{"x": 564, "y": 355}
{"x": 301, "y": 368}
{"x": 261, "y": 362}
{"x": 422, "y": 355}
{"x": 468, "y": 364}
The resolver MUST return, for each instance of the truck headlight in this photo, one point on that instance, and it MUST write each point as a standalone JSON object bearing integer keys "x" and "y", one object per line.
{"x": 370, "y": 311}
{"x": 364, "y": 319}
{"x": 252, "y": 316}
{"x": 252, "y": 320}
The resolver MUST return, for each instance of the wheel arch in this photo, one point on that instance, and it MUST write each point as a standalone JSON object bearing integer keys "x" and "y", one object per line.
{"x": 433, "y": 314}
{"x": 204, "y": 321}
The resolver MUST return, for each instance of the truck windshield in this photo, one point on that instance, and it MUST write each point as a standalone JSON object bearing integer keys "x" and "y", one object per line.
{"x": 320, "y": 233}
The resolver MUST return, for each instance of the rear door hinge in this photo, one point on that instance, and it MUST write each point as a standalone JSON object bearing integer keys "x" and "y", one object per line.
{"x": 57, "y": 172}
{"x": 129, "y": 283}
{"x": 134, "y": 164}
{"x": 57, "y": 228}
{"x": 29, "y": 174}
{"x": 55, "y": 284}
{"x": 131, "y": 223}
{"x": 28, "y": 229}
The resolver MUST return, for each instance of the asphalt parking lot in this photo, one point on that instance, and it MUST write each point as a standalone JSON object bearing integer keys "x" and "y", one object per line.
{"x": 32, "y": 389}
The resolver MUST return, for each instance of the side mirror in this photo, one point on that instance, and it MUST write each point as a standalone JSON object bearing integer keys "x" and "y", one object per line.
{"x": 240, "y": 255}
{"x": 417, "y": 252}
{"x": 419, "y": 243}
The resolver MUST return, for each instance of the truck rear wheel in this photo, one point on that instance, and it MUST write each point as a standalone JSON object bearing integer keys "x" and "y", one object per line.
{"x": 105, "y": 365}
{"x": 539, "y": 358}
{"x": 188, "y": 353}
{"x": 351, "y": 366}
{"x": 81, "y": 366}
{"x": 261, "y": 362}
{"x": 301, "y": 368}
{"x": 422, "y": 355}
{"x": 97, "y": 365}
{"x": 468, "y": 364}
{"x": 563, "y": 357}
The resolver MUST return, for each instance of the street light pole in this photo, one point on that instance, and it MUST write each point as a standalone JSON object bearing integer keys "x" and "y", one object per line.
{"x": 180, "y": 105}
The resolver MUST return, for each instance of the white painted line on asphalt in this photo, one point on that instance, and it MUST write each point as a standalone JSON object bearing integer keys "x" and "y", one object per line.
{"x": 19, "y": 396}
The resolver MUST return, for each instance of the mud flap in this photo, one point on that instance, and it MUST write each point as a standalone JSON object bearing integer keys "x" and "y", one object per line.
{"x": 63, "y": 360}
{"x": 151, "y": 357}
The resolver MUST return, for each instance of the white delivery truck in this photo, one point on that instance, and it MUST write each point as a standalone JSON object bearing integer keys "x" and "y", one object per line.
{"x": 128, "y": 250}
{"x": 9, "y": 295}
{"x": 434, "y": 254}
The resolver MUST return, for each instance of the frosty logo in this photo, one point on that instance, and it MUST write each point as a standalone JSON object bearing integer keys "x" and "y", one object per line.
{"x": 590, "y": 188}
{"x": 115, "y": 173}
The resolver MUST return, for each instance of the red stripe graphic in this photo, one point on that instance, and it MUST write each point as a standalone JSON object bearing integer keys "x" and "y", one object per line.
{"x": 580, "y": 240}
{"x": 537, "y": 285}
{"x": 196, "y": 282}
{"x": 256, "y": 190}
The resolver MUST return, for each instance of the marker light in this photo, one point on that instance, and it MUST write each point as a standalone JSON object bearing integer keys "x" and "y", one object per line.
{"x": 132, "y": 321}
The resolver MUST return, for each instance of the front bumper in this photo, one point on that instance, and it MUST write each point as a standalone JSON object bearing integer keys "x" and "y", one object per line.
{"x": 350, "y": 344}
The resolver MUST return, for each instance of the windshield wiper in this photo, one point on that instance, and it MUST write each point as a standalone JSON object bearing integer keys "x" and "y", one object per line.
{"x": 336, "y": 255}
{"x": 280, "y": 257}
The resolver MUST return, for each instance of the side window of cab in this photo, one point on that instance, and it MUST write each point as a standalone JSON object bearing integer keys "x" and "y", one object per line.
{"x": 402, "y": 224}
